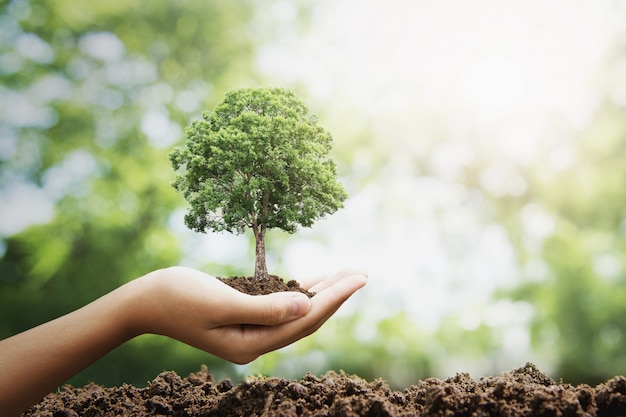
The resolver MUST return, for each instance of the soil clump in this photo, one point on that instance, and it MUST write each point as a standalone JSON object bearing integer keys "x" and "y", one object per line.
{"x": 523, "y": 392}
{"x": 251, "y": 286}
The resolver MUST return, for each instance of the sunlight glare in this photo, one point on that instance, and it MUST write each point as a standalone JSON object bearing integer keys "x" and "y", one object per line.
{"x": 485, "y": 65}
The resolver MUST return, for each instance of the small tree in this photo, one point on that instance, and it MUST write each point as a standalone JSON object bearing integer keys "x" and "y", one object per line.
{"x": 258, "y": 161}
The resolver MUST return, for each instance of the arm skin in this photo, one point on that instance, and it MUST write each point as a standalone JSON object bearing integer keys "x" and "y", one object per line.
{"x": 178, "y": 302}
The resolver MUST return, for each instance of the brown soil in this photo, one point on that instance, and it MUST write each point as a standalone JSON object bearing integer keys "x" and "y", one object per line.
{"x": 251, "y": 286}
{"x": 522, "y": 392}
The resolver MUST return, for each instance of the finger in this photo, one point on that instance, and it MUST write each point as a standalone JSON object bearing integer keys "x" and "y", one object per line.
{"x": 309, "y": 282}
{"x": 326, "y": 281}
{"x": 334, "y": 297}
{"x": 323, "y": 306}
{"x": 269, "y": 310}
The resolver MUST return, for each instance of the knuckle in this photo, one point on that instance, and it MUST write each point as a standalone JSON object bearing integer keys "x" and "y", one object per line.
{"x": 274, "y": 313}
{"x": 243, "y": 358}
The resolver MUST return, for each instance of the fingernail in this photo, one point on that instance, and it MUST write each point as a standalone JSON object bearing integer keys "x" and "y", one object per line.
{"x": 363, "y": 275}
{"x": 300, "y": 304}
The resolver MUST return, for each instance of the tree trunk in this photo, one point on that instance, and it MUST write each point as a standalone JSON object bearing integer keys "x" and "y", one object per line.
{"x": 260, "y": 266}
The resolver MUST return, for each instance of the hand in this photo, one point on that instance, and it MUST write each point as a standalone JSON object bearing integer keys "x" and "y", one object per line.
{"x": 203, "y": 312}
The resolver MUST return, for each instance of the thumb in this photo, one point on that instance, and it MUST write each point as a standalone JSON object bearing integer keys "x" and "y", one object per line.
{"x": 274, "y": 308}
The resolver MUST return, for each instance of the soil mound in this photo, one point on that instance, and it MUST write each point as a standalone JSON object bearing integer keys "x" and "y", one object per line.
{"x": 523, "y": 392}
{"x": 250, "y": 286}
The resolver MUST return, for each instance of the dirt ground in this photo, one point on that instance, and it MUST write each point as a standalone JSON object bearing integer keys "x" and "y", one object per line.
{"x": 523, "y": 392}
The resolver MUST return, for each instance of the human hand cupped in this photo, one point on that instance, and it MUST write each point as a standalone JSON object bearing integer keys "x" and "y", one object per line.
{"x": 202, "y": 311}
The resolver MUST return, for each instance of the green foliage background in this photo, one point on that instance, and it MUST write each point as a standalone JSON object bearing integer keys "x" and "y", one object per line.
{"x": 110, "y": 219}
{"x": 260, "y": 160}
{"x": 94, "y": 95}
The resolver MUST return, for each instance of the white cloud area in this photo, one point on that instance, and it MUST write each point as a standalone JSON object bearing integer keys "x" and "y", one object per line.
{"x": 68, "y": 176}
{"x": 23, "y": 205}
{"x": 160, "y": 130}
{"x": 220, "y": 248}
{"x": 20, "y": 110}
{"x": 31, "y": 46}
{"x": 102, "y": 45}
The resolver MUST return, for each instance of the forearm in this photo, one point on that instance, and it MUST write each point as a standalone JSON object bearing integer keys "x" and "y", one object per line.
{"x": 35, "y": 362}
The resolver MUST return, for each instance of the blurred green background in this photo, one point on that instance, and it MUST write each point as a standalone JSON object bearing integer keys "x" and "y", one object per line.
{"x": 483, "y": 146}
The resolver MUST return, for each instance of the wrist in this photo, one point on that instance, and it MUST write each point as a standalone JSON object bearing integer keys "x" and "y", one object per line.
{"x": 132, "y": 309}
{"x": 141, "y": 303}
